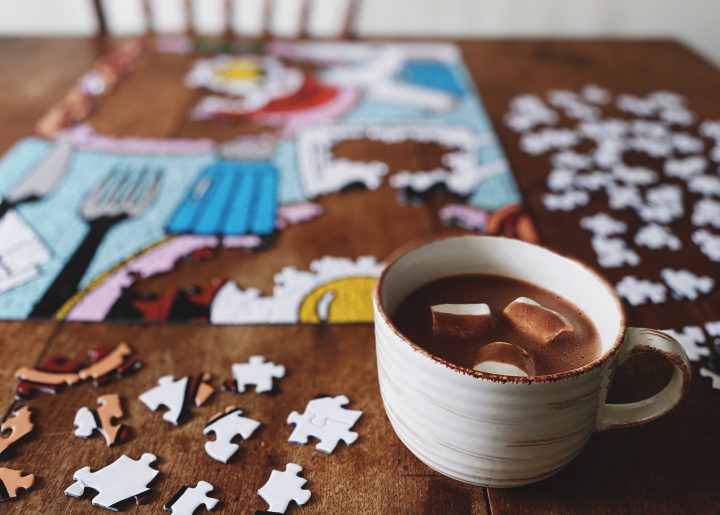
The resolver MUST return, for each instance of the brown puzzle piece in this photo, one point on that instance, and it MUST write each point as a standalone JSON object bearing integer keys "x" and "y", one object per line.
{"x": 112, "y": 360}
{"x": 13, "y": 480}
{"x": 110, "y": 408}
{"x": 19, "y": 425}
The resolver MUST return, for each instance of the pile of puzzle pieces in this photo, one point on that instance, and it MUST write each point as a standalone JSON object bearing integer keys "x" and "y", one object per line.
{"x": 325, "y": 419}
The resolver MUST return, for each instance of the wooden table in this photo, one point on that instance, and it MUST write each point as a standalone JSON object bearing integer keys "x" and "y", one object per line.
{"x": 670, "y": 466}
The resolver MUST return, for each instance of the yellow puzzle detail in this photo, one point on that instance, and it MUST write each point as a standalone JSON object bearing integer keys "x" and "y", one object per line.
{"x": 348, "y": 299}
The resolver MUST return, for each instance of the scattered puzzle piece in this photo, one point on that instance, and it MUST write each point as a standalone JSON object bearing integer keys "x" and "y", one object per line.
{"x": 118, "y": 360}
{"x": 19, "y": 425}
{"x": 614, "y": 252}
{"x": 13, "y": 480}
{"x": 654, "y": 236}
{"x": 692, "y": 340}
{"x": 103, "y": 420}
{"x": 602, "y": 224}
{"x": 686, "y": 285}
{"x": 122, "y": 479}
{"x": 226, "y": 426}
{"x": 283, "y": 487}
{"x": 257, "y": 372}
{"x": 187, "y": 499}
{"x": 640, "y": 291}
{"x": 57, "y": 372}
{"x": 325, "y": 419}
{"x": 177, "y": 395}
{"x": 51, "y": 376}
{"x": 705, "y": 373}
{"x": 332, "y": 408}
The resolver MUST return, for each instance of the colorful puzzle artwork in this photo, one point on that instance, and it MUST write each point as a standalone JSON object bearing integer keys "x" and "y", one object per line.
{"x": 93, "y": 221}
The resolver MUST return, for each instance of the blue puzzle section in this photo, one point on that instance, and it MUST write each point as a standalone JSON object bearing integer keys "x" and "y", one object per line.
{"x": 432, "y": 75}
{"x": 230, "y": 198}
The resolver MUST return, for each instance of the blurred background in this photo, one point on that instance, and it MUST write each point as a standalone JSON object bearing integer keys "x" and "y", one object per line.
{"x": 694, "y": 22}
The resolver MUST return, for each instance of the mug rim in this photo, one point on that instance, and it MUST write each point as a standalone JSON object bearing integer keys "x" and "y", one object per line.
{"x": 416, "y": 244}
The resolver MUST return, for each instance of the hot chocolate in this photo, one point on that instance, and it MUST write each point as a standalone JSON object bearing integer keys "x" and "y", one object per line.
{"x": 498, "y": 324}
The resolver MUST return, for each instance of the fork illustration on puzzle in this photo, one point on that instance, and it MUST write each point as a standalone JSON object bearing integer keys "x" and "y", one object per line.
{"x": 123, "y": 194}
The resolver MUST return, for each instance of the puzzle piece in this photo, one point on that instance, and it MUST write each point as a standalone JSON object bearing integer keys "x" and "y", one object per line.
{"x": 283, "y": 487}
{"x": 187, "y": 499}
{"x": 566, "y": 201}
{"x": 319, "y": 421}
{"x": 691, "y": 338}
{"x": 19, "y": 424}
{"x": 603, "y": 224}
{"x": 614, "y": 252}
{"x": 57, "y": 372}
{"x": 103, "y": 420}
{"x": 226, "y": 426}
{"x": 13, "y": 480}
{"x": 704, "y": 372}
{"x": 122, "y": 479}
{"x": 706, "y": 212}
{"x": 53, "y": 374}
{"x": 686, "y": 285}
{"x": 331, "y": 408}
{"x": 654, "y": 236}
{"x": 177, "y": 395}
{"x": 118, "y": 361}
{"x": 640, "y": 291}
{"x": 257, "y": 372}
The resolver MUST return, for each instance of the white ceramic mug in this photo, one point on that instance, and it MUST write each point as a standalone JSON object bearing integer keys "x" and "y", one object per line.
{"x": 504, "y": 431}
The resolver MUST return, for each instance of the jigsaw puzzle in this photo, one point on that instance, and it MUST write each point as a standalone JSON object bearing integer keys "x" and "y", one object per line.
{"x": 256, "y": 372}
{"x": 15, "y": 427}
{"x": 283, "y": 487}
{"x": 116, "y": 483}
{"x": 104, "y": 420}
{"x": 327, "y": 420}
{"x": 57, "y": 372}
{"x": 187, "y": 500}
{"x": 177, "y": 395}
{"x": 301, "y": 100}
{"x": 13, "y": 480}
{"x": 227, "y": 426}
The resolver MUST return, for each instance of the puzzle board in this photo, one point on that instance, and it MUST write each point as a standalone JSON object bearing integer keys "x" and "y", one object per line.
{"x": 262, "y": 148}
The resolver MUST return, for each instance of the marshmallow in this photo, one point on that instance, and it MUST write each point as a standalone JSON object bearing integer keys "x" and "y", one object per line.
{"x": 460, "y": 321}
{"x": 504, "y": 358}
{"x": 535, "y": 321}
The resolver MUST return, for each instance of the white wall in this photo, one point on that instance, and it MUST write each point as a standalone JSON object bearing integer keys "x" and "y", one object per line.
{"x": 692, "y": 21}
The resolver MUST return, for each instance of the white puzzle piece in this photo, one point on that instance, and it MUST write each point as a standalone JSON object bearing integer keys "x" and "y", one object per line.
{"x": 709, "y": 244}
{"x": 122, "y": 479}
{"x": 602, "y": 224}
{"x": 283, "y": 487}
{"x": 256, "y": 372}
{"x": 692, "y": 340}
{"x": 714, "y": 378}
{"x": 640, "y": 291}
{"x": 706, "y": 212}
{"x": 227, "y": 426}
{"x": 654, "y": 236}
{"x": 177, "y": 395}
{"x": 685, "y": 284}
{"x": 565, "y": 201}
{"x": 187, "y": 500}
{"x": 332, "y": 408}
{"x": 614, "y": 252}
{"x": 325, "y": 419}
{"x": 170, "y": 393}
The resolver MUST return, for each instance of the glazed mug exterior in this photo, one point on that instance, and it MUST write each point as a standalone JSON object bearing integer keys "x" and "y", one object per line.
{"x": 505, "y": 431}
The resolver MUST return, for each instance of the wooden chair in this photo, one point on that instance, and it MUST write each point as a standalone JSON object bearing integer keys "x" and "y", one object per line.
{"x": 277, "y": 17}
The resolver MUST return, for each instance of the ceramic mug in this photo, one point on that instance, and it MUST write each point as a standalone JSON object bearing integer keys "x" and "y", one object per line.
{"x": 504, "y": 431}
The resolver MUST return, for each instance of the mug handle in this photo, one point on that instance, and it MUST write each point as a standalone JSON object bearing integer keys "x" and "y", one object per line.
{"x": 614, "y": 416}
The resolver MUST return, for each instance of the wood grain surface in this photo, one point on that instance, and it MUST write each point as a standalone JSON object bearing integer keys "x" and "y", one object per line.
{"x": 670, "y": 466}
